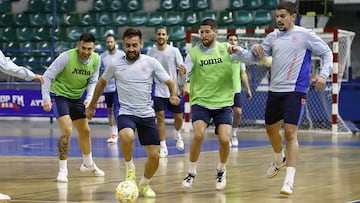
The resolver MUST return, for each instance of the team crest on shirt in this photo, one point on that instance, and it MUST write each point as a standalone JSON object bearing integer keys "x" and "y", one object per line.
{"x": 294, "y": 38}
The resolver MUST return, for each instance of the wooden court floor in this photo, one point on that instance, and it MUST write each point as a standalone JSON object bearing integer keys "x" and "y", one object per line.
{"x": 328, "y": 169}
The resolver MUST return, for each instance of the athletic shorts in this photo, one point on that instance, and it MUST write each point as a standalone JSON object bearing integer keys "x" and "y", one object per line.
{"x": 146, "y": 128}
{"x": 219, "y": 116}
{"x": 160, "y": 104}
{"x": 237, "y": 100}
{"x": 288, "y": 106}
{"x": 64, "y": 106}
{"x": 109, "y": 99}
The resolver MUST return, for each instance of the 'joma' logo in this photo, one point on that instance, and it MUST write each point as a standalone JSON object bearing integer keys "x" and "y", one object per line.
{"x": 210, "y": 61}
{"x": 81, "y": 72}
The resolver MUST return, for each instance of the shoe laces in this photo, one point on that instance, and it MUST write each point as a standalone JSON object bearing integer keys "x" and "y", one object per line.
{"x": 189, "y": 177}
{"x": 220, "y": 176}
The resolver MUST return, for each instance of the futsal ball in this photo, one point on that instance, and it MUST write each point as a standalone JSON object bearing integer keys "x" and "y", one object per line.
{"x": 266, "y": 61}
{"x": 127, "y": 192}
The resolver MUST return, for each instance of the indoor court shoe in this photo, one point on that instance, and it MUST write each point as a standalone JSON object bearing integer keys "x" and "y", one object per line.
{"x": 93, "y": 170}
{"x": 146, "y": 191}
{"x": 62, "y": 177}
{"x": 287, "y": 189}
{"x": 131, "y": 175}
{"x": 4, "y": 197}
{"x": 112, "y": 139}
{"x": 234, "y": 141}
{"x": 220, "y": 183}
{"x": 163, "y": 151}
{"x": 179, "y": 142}
{"x": 188, "y": 181}
{"x": 275, "y": 167}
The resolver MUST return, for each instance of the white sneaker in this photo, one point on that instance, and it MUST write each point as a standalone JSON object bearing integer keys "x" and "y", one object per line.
{"x": 220, "y": 183}
{"x": 287, "y": 189}
{"x": 275, "y": 167}
{"x": 234, "y": 141}
{"x": 188, "y": 181}
{"x": 62, "y": 177}
{"x": 179, "y": 142}
{"x": 93, "y": 170}
{"x": 112, "y": 139}
{"x": 4, "y": 197}
{"x": 163, "y": 151}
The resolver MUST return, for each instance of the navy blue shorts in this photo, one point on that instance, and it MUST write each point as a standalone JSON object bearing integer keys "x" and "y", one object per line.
{"x": 109, "y": 99}
{"x": 289, "y": 106}
{"x": 219, "y": 116}
{"x": 65, "y": 106}
{"x": 160, "y": 104}
{"x": 237, "y": 100}
{"x": 146, "y": 128}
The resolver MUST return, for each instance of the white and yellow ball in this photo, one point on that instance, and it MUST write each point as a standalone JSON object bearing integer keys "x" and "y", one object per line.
{"x": 265, "y": 61}
{"x": 127, "y": 192}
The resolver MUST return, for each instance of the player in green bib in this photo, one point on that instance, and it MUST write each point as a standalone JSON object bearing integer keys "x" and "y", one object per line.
{"x": 66, "y": 80}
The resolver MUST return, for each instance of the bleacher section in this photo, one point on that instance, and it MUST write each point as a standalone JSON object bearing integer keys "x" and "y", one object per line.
{"x": 34, "y": 37}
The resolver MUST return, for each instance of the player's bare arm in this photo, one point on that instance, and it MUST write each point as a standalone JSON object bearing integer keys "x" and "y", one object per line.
{"x": 174, "y": 99}
{"x": 90, "y": 110}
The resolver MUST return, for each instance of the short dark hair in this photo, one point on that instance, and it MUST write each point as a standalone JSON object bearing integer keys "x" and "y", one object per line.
{"x": 110, "y": 35}
{"x": 87, "y": 37}
{"x": 132, "y": 32}
{"x": 289, "y": 6}
{"x": 211, "y": 22}
{"x": 231, "y": 34}
{"x": 162, "y": 27}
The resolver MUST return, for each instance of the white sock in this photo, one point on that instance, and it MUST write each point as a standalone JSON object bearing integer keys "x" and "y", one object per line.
{"x": 88, "y": 160}
{"x": 114, "y": 130}
{"x": 234, "y": 131}
{"x": 63, "y": 166}
{"x": 290, "y": 175}
{"x": 177, "y": 133}
{"x": 144, "y": 181}
{"x": 163, "y": 143}
{"x": 221, "y": 166}
{"x": 130, "y": 164}
{"x": 192, "y": 167}
{"x": 279, "y": 156}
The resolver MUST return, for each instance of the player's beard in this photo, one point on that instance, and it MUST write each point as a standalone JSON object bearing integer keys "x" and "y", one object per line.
{"x": 207, "y": 42}
{"x": 161, "y": 41}
{"x": 111, "y": 48}
{"x": 132, "y": 56}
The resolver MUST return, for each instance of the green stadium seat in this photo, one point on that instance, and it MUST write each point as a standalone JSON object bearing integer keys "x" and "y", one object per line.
{"x": 156, "y": 18}
{"x": 49, "y": 19}
{"x": 66, "y": 6}
{"x": 209, "y": 14}
{"x": 110, "y": 30}
{"x": 71, "y": 19}
{"x": 100, "y": 5}
{"x": 183, "y": 5}
{"x": 244, "y": 18}
{"x": 201, "y": 5}
{"x": 48, "y": 7}
{"x": 22, "y": 19}
{"x": 8, "y": 34}
{"x": 7, "y": 20}
{"x": 87, "y": 19}
{"x": 25, "y": 33}
{"x": 253, "y": 4}
{"x": 190, "y": 18}
{"x": 138, "y": 19}
{"x": 5, "y": 6}
{"x": 44, "y": 48}
{"x": 63, "y": 46}
{"x": 226, "y": 18}
{"x": 36, "y": 6}
{"x": 29, "y": 48}
{"x": 121, "y": 18}
{"x": 236, "y": 5}
{"x": 263, "y": 17}
{"x": 42, "y": 34}
{"x": 270, "y": 4}
{"x": 104, "y": 18}
{"x": 167, "y": 5}
{"x": 38, "y": 19}
{"x": 134, "y": 5}
{"x": 116, "y": 5}
{"x": 177, "y": 33}
{"x": 95, "y": 32}
{"x": 173, "y": 18}
{"x": 74, "y": 33}
{"x": 12, "y": 49}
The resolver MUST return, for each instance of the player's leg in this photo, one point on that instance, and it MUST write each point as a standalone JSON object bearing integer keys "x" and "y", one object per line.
{"x": 201, "y": 119}
{"x": 149, "y": 138}
{"x": 222, "y": 119}
{"x": 237, "y": 112}
{"x": 109, "y": 99}
{"x": 81, "y": 123}
{"x": 177, "y": 111}
{"x": 60, "y": 107}
{"x": 159, "y": 107}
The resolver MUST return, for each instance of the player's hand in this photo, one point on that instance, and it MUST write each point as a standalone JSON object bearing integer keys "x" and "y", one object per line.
{"x": 249, "y": 94}
{"x": 174, "y": 100}
{"x": 182, "y": 70}
{"x": 86, "y": 103}
{"x": 232, "y": 49}
{"x": 320, "y": 83}
{"x": 39, "y": 78}
{"x": 258, "y": 51}
{"x": 47, "y": 105}
{"x": 90, "y": 112}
